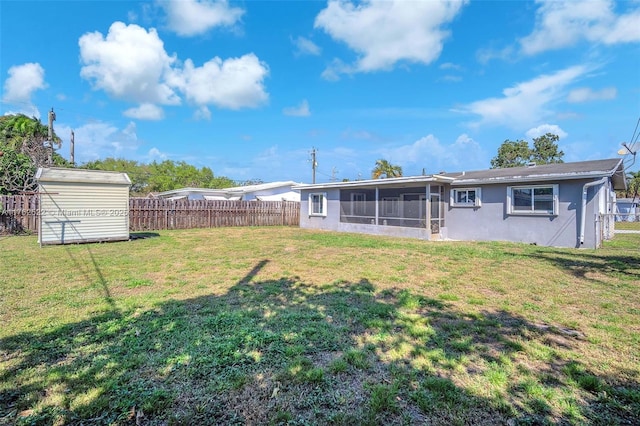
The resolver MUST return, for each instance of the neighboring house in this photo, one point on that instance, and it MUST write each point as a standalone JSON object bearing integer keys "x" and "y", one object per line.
{"x": 564, "y": 205}
{"x": 627, "y": 209}
{"x": 80, "y": 206}
{"x": 274, "y": 191}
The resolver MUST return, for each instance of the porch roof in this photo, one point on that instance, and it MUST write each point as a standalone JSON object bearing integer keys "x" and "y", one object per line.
{"x": 400, "y": 182}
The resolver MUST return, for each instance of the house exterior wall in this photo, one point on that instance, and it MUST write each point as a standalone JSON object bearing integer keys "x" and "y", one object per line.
{"x": 491, "y": 221}
{"x": 332, "y": 219}
{"x": 83, "y": 212}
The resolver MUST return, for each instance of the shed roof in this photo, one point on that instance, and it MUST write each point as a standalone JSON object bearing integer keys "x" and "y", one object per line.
{"x": 60, "y": 174}
{"x": 545, "y": 172}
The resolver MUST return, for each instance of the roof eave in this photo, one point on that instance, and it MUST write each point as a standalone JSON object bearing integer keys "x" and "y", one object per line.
{"x": 41, "y": 176}
{"x": 377, "y": 182}
{"x": 533, "y": 178}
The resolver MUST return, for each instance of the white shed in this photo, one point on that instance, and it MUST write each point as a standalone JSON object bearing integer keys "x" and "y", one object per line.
{"x": 80, "y": 206}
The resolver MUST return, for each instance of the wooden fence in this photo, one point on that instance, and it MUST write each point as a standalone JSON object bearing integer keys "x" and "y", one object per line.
{"x": 19, "y": 213}
{"x": 154, "y": 214}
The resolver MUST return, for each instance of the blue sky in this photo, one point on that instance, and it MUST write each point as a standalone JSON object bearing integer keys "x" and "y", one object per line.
{"x": 249, "y": 88}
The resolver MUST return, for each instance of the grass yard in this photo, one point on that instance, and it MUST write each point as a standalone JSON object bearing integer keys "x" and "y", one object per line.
{"x": 631, "y": 226}
{"x": 289, "y": 326}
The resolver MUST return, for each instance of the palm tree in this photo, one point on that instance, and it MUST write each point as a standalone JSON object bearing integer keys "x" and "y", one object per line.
{"x": 633, "y": 184}
{"x": 383, "y": 167}
{"x": 25, "y": 146}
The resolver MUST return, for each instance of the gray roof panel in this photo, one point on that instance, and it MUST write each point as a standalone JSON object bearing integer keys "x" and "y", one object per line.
{"x": 544, "y": 172}
{"x": 60, "y": 174}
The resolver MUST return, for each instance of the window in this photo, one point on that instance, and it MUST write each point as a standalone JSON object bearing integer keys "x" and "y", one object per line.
{"x": 538, "y": 199}
{"x": 358, "y": 204}
{"x": 465, "y": 197}
{"x": 391, "y": 206}
{"x": 318, "y": 204}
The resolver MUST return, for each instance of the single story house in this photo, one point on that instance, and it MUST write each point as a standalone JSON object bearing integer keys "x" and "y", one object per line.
{"x": 81, "y": 206}
{"x": 273, "y": 191}
{"x": 563, "y": 205}
{"x": 627, "y": 209}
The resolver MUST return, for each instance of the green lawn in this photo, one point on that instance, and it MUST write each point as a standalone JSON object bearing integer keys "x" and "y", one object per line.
{"x": 635, "y": 226}
{"x": 290, "y": 326}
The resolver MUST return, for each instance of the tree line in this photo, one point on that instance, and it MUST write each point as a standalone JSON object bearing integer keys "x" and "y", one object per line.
{"x": 25, "y": 146}
{"x": 161, "y": 176}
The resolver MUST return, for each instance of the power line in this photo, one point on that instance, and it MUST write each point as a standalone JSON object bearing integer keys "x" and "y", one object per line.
{"x": 635, "y": 137}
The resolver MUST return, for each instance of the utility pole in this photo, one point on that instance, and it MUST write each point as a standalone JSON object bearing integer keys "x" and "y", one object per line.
{"x": 72, "y": 156}
{"x": 52, "y": 118}
{"x": 314, "y": 165}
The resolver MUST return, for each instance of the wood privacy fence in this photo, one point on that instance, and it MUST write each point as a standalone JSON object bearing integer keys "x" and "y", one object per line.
{"x": 154, "y": 214}
{"x": 19, "y": 213}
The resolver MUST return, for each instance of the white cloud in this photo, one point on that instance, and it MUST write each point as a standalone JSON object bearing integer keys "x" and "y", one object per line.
{"x": 585, "y": 94}
{"x": 99, "y": 139}
{"x": 450, "y": 66}
{"x": 195, "y": 17}
{"x": 543, "y": 129}
{"x": 304, "y": 46}
{"x": 145, "y": 112}
{"x": 232, "y": 83}
{"x": 428, "y": 151}
{"x": 561, "y": 24}
{"x": 333, "y": 70}
{"x": 383, "y": 33}
{"x": 451, "y": 78}
{"x": 567, "y": 115}
{"x": 129, "y": 63}
{"x": 155, "y": 154}
{"x": 22, "y": 82}
{"x": 301, "y": 110}
{"x": 202, "y": 113}
{"x": 525, "y": 103}
{"x": 487, "y": 54}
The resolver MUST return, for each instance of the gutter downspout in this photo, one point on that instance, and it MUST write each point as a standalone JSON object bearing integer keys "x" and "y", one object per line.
{"x": 583, "y": 212}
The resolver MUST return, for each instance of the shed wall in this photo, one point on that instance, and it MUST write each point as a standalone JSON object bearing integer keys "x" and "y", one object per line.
{"x": 83, "y": 212}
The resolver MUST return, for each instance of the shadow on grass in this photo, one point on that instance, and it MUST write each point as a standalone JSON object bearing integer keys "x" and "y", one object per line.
{"x": 142, "y": 235}
{"x": 282, "y": 351}
{"x": 582, "y": 264}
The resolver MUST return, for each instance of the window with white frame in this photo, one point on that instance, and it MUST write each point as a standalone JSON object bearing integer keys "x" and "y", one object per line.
{"x": 318, "y": 204}
{"x": 358, "y": 204}
{"x": 533, "y": 199}
{"x": 391, "y": 206}
{"x": 465, "y": 197}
